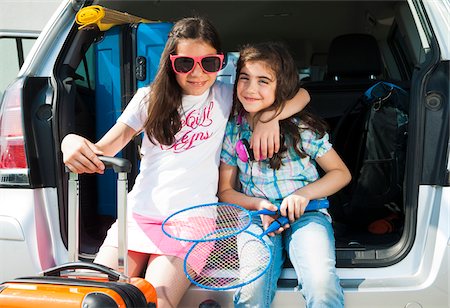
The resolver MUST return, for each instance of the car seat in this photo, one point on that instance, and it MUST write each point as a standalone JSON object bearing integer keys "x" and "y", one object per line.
{"x": 354, "y": 57}
{"x": 354, "y": 64}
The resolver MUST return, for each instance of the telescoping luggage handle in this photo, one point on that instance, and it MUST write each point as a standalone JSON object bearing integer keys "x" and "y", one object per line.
{"x": 120, "y": 166}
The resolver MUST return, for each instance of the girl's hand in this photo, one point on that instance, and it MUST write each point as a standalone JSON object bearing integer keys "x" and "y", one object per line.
{"x": 294, "y": 206}
{"x": 265, "y": 140}
{"x": 80, "y": 155}
{"x": 268, "y": 219}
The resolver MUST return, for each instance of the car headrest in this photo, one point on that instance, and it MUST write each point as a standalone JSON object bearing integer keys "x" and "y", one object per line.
{"x": 354, "y": 56}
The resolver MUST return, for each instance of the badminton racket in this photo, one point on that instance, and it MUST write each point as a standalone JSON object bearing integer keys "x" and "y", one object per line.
{"x": 206, "y": 222}
{"x": 228, "y": 262}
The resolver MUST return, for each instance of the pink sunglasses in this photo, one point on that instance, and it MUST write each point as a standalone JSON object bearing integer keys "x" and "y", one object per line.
{"x": 184, "y": 64}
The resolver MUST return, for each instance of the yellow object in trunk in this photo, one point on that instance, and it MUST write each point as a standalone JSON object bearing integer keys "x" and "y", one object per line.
{"x": 104, "y": 18}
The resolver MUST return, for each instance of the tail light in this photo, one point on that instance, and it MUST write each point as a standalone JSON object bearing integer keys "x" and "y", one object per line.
{"x": 13, "y": 160}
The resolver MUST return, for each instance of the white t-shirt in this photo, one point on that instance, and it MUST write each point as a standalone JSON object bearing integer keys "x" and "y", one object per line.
{"x": 186, "y": 173}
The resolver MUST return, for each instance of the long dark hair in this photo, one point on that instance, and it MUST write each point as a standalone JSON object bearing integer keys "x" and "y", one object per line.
{"x": 277, "y": 57}
{"x": 163, "y": 120}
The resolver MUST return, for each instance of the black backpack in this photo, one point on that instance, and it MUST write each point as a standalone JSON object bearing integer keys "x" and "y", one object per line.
{"x": 373, "y": 145}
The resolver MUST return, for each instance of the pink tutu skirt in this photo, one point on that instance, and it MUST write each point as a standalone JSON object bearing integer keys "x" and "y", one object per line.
{"x": 145, "y": 235}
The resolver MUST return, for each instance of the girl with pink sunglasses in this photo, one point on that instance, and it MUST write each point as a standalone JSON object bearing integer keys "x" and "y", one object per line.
{"x": 183, "y": 115}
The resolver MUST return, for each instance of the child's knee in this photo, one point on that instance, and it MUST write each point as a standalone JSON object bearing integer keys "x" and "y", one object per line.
{"x": 323, "y": 288}
{"x": 107, "y": 256}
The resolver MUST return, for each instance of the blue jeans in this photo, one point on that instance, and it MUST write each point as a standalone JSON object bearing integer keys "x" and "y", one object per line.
{"x": 309, "y": 243}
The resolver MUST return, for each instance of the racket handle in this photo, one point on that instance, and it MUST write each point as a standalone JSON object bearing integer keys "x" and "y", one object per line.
{"x": 276, "y": 224}
{"x": 317, "y": 204}
{"x": 312, "y": 206}
{"x": 267, "y": 212}
{"x": 282, "y": 220}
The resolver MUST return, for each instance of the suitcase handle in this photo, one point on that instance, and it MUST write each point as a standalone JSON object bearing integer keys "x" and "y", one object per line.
{"x": 120, "y": 166}
{"x": 116, "y": 163}
{"x": 57, "y": 270}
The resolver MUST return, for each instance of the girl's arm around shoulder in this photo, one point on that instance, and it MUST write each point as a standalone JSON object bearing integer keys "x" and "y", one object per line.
{"x": 265, "y": 139}
{"x": 295, "y": 105}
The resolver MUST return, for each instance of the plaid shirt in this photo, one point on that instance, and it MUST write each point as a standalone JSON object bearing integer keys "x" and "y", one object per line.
{"x": 258, "y": 179}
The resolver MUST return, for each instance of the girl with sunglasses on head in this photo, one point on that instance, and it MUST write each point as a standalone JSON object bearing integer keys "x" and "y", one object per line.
{"x": 183, "y": 115}
{"x": 266, "y": 78}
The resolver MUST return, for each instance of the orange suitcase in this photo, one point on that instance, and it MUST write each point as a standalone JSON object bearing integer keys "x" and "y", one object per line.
{"x": 83, "y": 284}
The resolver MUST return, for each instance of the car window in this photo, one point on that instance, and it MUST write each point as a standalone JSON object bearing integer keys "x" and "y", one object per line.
{"x": 13, "y": 51}
{"x": 86, "y": 70}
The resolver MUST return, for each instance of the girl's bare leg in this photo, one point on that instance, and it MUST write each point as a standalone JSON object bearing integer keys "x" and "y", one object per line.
{"x": 165, "y": 273}
{"x": 136, "y": 260}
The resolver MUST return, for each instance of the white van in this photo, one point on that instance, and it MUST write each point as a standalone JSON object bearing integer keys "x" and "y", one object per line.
{"x": 389, "y": 253}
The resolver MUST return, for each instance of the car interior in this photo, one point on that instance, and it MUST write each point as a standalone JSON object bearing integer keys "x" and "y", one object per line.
{"x": 342, "y": 48}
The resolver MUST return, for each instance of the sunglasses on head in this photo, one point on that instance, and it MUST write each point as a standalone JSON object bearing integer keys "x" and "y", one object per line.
{"x": 183, "y": 64}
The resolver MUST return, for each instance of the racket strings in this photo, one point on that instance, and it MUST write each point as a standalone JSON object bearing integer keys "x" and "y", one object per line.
{"x": 206, "y": 223}
{"x": 228, "y": 262}
{"x": 231, "y": 217}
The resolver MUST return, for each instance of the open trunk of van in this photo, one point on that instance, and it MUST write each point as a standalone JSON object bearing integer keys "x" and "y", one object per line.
{"x": 99, "y": 74}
